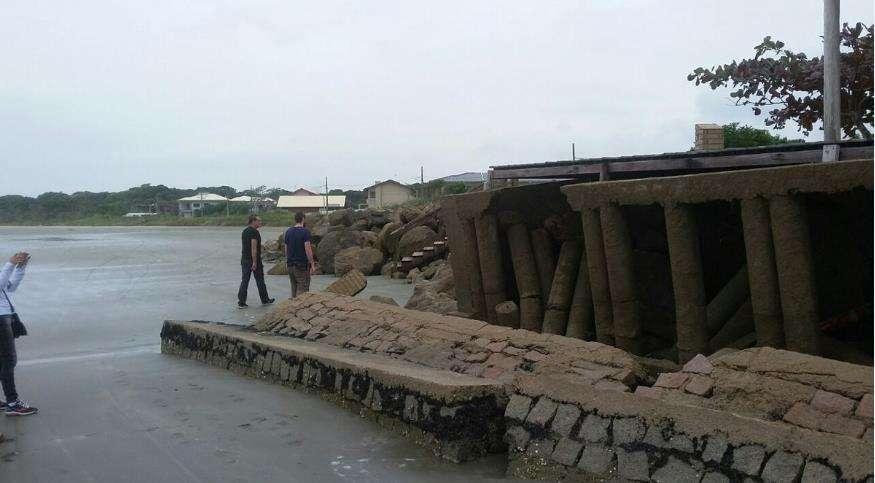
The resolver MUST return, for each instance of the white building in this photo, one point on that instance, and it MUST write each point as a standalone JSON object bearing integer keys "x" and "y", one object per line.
{"x": 191, "y": 205}
{"x": 388, "y": 193}
{"x": 311, "y": 203}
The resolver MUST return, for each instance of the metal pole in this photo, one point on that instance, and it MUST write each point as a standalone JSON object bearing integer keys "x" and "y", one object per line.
{"x": 573, "y": 156}
{"x": 831, "y": 81}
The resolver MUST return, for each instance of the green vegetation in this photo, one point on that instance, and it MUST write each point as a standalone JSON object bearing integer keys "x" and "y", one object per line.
{"x": 789, "y": 85}
{"x": 736, "y": 136}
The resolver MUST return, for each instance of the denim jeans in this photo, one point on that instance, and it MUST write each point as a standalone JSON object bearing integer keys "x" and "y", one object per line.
{"x": 8, "y": 359}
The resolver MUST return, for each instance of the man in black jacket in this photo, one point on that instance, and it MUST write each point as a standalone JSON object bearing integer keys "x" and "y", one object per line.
{"x": 250, "y": 261}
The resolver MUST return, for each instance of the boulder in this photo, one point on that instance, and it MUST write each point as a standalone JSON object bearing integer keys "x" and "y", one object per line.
{"x": 387, "y": 269}
{"x": 280, "y": 268}
{"x": 340, "y": 218}
{"x": 427, "y": 300}
{"x": 436, "y": 295}
{"x": 507, "y": 314}
{"x": 334, "y": 241}
{"x": 370, "y": 239}
{"x": 429, "y": 271}
{"x": 412, "y": 275}
{"x": 415, "y": 239}
{"x": 360, "y": 225}
{"x": 350, "y": 284}
{"x": 383, "y": 238}
{"x": 367, "y": 260}
{"x": 378, "y": 218}
{"x": 408, "y": 213}
{"x": 383, "y": 300}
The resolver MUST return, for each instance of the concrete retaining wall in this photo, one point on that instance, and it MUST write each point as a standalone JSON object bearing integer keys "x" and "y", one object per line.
{"x": 459, "y": 417}
{"x": 558, "y": 431}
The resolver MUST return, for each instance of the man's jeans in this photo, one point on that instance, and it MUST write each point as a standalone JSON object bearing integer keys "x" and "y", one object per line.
{"x": 259, "y": 281}
{"x": 8, "y": 358}
{"x": 299, "y": 278}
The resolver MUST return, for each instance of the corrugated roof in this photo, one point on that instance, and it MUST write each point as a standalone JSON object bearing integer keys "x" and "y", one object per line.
{"x": 248, "y": 199}
{"x": 204, "y": 197}
{"x": 291, "y": 201}
{"x": 469, "y": 177}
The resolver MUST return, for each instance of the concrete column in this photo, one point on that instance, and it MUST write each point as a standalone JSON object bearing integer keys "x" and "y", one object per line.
{"x": 525, "y": 272}
{"x": 793, "y": 260}
{"x": 598, "y": 276}
{"x": 542, "y": 247}
{"x": 688, "y": 282}
{"x": 621, "y": 278}
{"x": 491, "y": 266}
{"x": 581, "y": 323}
{"x": 471, "y": 262}
{"x": 562, "y": 291}
{"x": 457, "y": 261}
{"x": 762, "y": 276}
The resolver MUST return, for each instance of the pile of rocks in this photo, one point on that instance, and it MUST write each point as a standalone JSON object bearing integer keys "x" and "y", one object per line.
{"x": 370, "y": 241}
{"x": 433, "y": 289}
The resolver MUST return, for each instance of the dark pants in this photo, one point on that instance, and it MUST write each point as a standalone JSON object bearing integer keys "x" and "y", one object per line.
{"x": 299, "y": 278}
{"x": 259, "y": 281}
{"x": 8, "y": 359}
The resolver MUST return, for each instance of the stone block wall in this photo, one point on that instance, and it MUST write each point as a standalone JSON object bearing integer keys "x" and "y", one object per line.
{"x": 459, "y": 418}
{"x": 557, "y": 431}
{"x": 456, "y": 344}
{"x": 775, "y": 385}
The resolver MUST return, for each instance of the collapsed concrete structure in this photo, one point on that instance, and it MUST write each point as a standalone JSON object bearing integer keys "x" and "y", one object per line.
{"x": 675, "y": 266}
{"x": 560, "y": 407}
{"x": 711, "y": 327}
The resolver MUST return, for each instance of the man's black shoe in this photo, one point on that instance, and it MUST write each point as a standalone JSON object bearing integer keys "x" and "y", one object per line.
{"x": 268, "y": 301}
{"x": 241, "y": 305}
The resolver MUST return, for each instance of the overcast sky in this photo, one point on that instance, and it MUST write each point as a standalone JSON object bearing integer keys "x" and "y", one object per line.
{"x": 105, "y": 95}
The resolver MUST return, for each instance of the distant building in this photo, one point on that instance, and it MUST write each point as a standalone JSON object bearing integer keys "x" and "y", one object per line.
{"x": 256, "y": 204}
{"x": 388, "y": 193}
{"x": 303, "y": 192}
{"x": 469, "y": 178}
{"x": 311, "y": 203}
{"x": 191, "y": 205}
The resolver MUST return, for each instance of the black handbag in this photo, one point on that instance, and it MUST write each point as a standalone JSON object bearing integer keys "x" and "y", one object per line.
{"x": 18, "y": 328}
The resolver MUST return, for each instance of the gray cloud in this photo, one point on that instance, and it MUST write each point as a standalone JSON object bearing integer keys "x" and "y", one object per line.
{"x": 103, "y": 95}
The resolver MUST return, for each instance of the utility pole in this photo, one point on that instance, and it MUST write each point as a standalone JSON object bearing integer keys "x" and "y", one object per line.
{"x": 573, "y": 156}
{"x": 326, "y": 193}
{"x": 832, "y": 90}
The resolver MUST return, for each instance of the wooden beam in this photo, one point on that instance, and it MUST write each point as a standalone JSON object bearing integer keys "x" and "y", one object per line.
{"x": 693, "y": 162}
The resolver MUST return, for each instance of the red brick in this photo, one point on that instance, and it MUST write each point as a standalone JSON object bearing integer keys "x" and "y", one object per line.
{"x": 832, "y": 403}
{"x": 496, "y": 346}
{"x": 671, "y": 380}
{"x": 493, "y": 372}
{"x": 502, "y": 361}
{"x": 699, "y": 365}
{"x": 864, "y": 410}
{"x": 700, "y": 386}
{"x": 802, "y": 414}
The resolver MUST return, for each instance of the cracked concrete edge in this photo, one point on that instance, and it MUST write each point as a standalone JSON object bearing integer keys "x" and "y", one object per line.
{"x": 442, "y": 385}
{"x": 853, "y": 456}
{"x": 726, "y": 185}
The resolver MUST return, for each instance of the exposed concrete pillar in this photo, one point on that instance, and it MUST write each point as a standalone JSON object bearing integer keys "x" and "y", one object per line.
{"x": 542, "y": 247}
{"x": 491, "y": 266}
{"x": 507, "y": 314}
{"x": 581, "y": 323}
{"x": 598, "y": 276}
{"x": 688, "y": 282}
{"x": 621, "y": 278}
{"x": 762, "y": 275}
{"x": 725, "y": 304}
{"x": 458, "y": 259}
{"x": 562, "y": 291}
{"x": 472, "y": 267}
{"x": 795, "y": 273}
{"x": 525, "y": 271}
